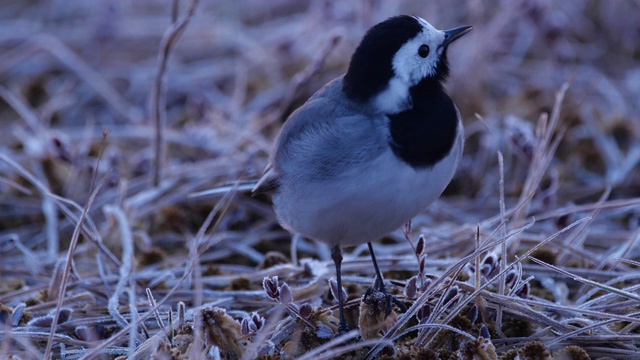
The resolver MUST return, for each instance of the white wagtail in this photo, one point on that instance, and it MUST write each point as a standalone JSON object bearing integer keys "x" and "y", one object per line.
{"x": 373, "y": 147}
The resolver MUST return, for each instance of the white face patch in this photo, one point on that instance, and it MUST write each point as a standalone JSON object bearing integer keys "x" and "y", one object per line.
{"x": 409, "y": 68}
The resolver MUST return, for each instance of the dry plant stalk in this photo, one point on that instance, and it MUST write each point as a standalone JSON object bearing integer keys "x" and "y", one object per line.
{"x": 157, "y": 95}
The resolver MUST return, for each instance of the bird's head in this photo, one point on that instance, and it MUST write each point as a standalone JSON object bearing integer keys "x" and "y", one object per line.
{"x": 394, "y": 56}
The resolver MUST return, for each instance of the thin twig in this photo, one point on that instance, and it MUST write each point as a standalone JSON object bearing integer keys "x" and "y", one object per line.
{"x": 157, "y": 95}
{"x": 65, "y": 277}
{"x": 542, "y": 154}
{"x": 503, "y": 247}
{"x": 75, "y": 238}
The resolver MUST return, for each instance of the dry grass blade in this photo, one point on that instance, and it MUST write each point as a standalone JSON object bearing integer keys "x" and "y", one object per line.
{"x": 606, "y": 288}
{"x": 29, "y": 116}
{"x": 543, "y": 152}
{"x": 502, "y": 272}
{"x": 154, "y": 304}
{"x": 190, "y": 264}
{"x": 503, "y": 247}
{"x": 87, "y": 227}
{"x": 67, "y": 268}
{"x": 124, "y": 276}
{"x": 439, "y": 283}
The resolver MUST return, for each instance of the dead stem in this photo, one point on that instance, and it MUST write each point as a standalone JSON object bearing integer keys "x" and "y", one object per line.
{"x": 157, "y": 96}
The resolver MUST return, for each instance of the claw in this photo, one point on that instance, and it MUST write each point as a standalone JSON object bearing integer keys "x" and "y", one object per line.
{"x": 342, "y": 329}
{"x": 390, "y": 299}
{"x": 399, "y": 304}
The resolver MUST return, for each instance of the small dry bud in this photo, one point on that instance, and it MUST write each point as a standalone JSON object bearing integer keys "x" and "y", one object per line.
{"x": 271, "y": 287}
{"x": 423, "y": 313}
{"x": 484, "y": 332}
{"x": 472, "y": 314}
{"x": 305, "y": 310}
{"x": 450, "y": 295}
{"x": 420, "y": 245}
{"x": 411, "y": 287}
{"x": 286, "y": 297}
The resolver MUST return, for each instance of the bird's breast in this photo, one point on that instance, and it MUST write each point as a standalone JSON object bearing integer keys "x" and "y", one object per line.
{"x": 425, "y": 134}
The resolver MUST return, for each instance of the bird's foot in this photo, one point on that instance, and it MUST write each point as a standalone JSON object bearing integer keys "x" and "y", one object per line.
{"x": 342, "y": 329}
{"x": 376, "y": 315}
{"x": 390, "y": 300}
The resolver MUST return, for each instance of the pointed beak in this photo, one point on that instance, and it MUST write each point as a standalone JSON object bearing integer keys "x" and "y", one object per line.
{"x": 454, "y": 34}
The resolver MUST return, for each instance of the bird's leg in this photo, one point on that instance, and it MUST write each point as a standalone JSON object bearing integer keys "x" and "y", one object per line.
{"x": 379, "y": 285}
{"x": 336, "y": 255}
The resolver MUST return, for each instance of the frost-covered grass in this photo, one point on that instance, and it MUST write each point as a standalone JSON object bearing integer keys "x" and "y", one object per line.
{"x": 114, "y": 112}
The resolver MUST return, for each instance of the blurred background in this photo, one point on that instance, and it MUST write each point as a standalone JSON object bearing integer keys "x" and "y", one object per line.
{"x": 69, "y": 69}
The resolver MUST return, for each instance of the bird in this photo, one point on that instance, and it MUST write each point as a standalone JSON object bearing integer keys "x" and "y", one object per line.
{"x": 372, "y": 148}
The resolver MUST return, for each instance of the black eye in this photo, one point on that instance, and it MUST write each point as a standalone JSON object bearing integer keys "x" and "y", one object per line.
{"x": 423, "y": 51}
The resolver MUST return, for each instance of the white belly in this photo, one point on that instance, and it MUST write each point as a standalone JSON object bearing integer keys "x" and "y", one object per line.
{"x": 366, "y": 203}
